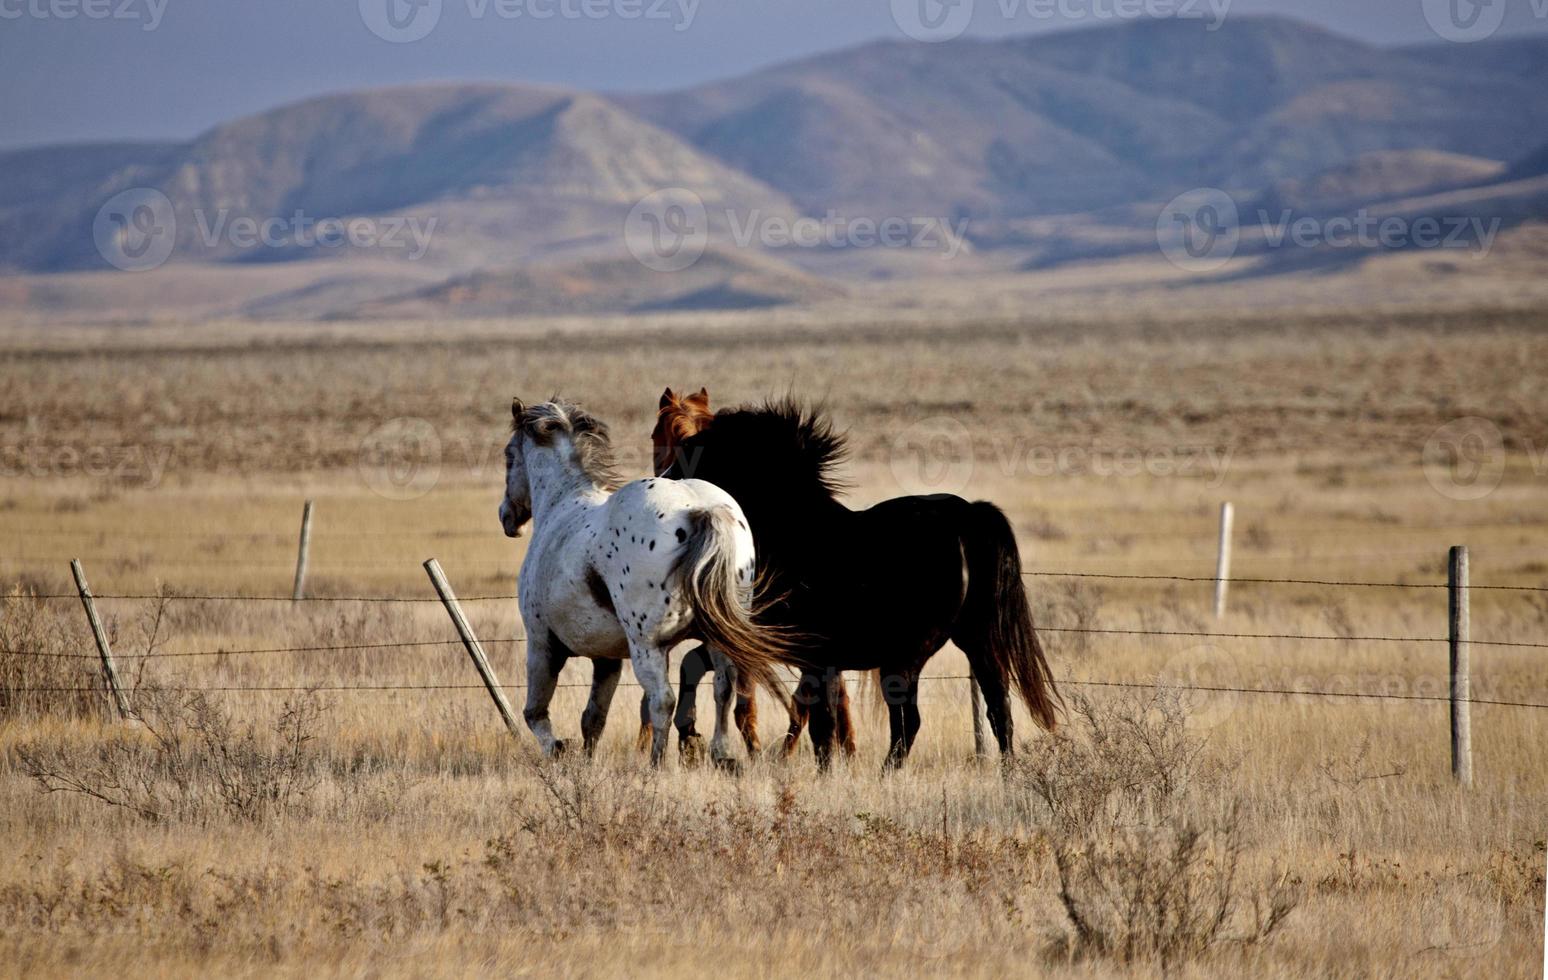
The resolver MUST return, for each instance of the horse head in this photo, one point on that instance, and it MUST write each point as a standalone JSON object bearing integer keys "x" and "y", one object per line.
{"x": 516, "y": 505}
{"x": 548, "y": 426}
{"x": 778, "y": 460}
{"x": 678, "y": 417}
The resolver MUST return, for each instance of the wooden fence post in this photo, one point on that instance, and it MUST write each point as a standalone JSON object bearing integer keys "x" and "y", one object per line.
{"x": 109, "y": 670}
{"x": 306, "y": 543}
{"x": 976, "y": 697}
{"x": 1223, "y": 559}
{"x": 449, "y": 599}
{"x": 1461, "y": 680}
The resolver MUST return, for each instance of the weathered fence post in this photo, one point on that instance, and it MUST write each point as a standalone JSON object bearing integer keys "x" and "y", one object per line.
{"x": 1223, "y": 559}
{"x": 109, "y": 670}
{"x": 306, "y": 543}
{"x": 449, "y": 599}
{"x": 1461, "y": 681}
{"x": 976, "y": 697}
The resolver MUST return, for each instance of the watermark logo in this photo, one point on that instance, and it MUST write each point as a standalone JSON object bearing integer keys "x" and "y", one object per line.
{"x": 1199, "y": 230}
{"x": 1465, "y": 458}
{"x": 136, "y": 229}
{"x": 933, "y": 456}
{"x": 1464, "y": 21}
{"x": 401, "y": 458}
{"x": 147, "y": 12}
{"x": 932, "y": 20}
{"x": 400, "y": 21}
{"x": 667, "y": 231}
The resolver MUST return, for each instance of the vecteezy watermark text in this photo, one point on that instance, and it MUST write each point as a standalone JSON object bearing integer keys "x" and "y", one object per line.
{"x": 938, "y": 455}
{"x": 405, "y": 21}
{"x": 300, "y": 230}
{"x": 147, "y": 12}
{"x": 943, "y": 20}
{"x": 1203, "y": 229}
{"x": 132, "y": 464}
{"x": 668, "y": 230}
{"x": 137, "y": 230}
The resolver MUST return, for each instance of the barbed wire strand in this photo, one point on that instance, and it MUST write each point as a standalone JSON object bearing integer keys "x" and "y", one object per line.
{"x": 1273, "y": 692}
{"x": 1116, "y": 576}
{"x": 1105, "y": 631}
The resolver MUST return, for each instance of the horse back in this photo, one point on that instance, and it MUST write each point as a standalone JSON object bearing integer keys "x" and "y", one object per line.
{"x": 881, "y": 582}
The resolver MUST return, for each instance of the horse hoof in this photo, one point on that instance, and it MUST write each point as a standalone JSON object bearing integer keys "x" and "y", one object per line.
{"x": 690, "y": 748}
{"x": 729, "y": 765}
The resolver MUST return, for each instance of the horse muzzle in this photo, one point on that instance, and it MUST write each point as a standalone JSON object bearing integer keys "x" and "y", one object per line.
{"x": 512, "y": 520}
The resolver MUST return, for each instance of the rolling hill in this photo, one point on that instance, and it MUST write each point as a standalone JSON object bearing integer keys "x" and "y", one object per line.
{"x": 1056, "y": 148}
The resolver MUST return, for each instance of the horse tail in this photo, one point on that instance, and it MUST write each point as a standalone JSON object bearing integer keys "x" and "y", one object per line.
{"x": 721, "y": 599}
{"x": 995, "y": 616}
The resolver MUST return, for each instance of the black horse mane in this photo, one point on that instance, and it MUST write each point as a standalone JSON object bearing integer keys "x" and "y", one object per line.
{"x": 795, "y": 442}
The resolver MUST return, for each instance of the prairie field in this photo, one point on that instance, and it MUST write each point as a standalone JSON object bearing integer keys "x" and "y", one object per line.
{"x": 324, "y": 787}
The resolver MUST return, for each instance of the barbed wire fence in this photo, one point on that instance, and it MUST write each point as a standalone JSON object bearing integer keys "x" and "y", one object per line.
{"x": 1458, "y": 639}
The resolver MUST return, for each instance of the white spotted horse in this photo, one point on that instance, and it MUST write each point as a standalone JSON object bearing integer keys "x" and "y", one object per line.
{"x": 625, "y": 571}
{"x": 877, "y": 589}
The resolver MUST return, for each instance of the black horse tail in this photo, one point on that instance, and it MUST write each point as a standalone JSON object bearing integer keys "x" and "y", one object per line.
{"x": 996, "y": 619}
{"x": 722, "y": 600}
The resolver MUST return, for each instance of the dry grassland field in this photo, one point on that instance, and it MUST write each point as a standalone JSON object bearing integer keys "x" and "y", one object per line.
{"x": 361, "y": 809}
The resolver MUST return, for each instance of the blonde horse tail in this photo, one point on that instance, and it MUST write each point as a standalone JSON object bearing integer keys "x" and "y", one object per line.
{"x": 721, "y": 598}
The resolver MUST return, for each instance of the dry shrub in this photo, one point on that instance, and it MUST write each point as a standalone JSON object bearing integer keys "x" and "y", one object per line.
{"x": 1076, "y": 606}
{"x": 189, "y": 760}
{"x": 1146, "y": 836}
{"x": 43, "y": 667}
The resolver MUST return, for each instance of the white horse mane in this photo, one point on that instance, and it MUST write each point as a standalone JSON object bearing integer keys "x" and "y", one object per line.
{"x": 587, "y": 433}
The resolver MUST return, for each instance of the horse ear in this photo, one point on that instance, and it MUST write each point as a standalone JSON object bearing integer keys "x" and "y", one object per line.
{"x": 667, "y": 398}
{"x": 701, "y": 398}
{"x": 516, "y": 409}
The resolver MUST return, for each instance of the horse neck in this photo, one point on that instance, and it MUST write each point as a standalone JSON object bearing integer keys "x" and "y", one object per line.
{"x": 556, "y": 481}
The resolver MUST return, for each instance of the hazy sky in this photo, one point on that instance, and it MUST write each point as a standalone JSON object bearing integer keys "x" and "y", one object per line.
{"x": 155, "y": 69}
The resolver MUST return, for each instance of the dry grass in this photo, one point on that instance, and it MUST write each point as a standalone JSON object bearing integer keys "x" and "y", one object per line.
{"x": 402, "y": 832}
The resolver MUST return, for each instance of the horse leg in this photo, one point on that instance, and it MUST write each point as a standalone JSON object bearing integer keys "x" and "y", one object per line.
{"x": 642, "y": 740}
{"x": 837, "y": 701}
{"x": 650, "y": 668}
{"x": 813, "y": 691}
{"x": 799, "y": 709}
{"x": 690, "y": 744}
{"x": 992, "y": 684}
{"x": 545, "y": 659}
{"x": 746, "y": 714}
{"x": 901, "y": 692}
{"x": 725, "y": 694}
{"x": 604, "y": 681}
{"x": 843, "y": 721}
{"x": 911, "y": 715}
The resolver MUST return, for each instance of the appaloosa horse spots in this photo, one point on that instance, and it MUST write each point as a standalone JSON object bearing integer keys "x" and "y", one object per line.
{"x": 596, "y": 597}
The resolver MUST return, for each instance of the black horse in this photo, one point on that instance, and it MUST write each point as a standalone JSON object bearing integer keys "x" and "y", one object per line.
{"x": 878, "y": 589}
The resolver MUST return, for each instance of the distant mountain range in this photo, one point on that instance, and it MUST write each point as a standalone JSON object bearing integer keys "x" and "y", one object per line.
{"x": 1046, "y": 150}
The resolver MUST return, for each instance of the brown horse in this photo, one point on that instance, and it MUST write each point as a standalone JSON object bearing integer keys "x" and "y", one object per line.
{"x": 680, "y": 417}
